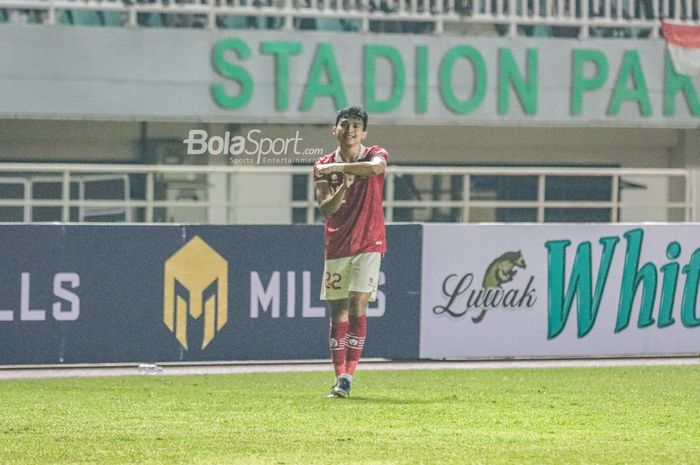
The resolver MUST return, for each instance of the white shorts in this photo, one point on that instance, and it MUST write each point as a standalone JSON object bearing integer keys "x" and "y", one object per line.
{"x": 359, "y": 273}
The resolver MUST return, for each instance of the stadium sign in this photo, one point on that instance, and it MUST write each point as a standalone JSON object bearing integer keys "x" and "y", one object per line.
{"x": 605, "y": 275}
{"x": 292, "y": 77}
{"x": 390, "y": 70}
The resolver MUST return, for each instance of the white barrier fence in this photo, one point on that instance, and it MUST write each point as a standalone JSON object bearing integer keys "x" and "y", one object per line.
{"x": 563, "y": 18}
{"x": 285, "y": 194}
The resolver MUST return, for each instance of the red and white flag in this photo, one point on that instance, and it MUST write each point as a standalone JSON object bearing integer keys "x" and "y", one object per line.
{"x": 684, "y": 46}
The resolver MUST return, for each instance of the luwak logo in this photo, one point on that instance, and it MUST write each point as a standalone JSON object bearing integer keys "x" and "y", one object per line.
{"x": 196, "y": 283}
{"x": 491, "y": 295}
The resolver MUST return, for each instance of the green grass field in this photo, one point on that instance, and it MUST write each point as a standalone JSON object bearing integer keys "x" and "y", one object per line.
{"x": 634, "y": 415}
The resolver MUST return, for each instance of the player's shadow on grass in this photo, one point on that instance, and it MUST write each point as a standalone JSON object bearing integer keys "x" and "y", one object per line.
{"x": 387, "y": 400}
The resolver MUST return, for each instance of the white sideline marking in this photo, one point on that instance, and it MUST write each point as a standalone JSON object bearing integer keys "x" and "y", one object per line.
{"x": 169, "y": 369}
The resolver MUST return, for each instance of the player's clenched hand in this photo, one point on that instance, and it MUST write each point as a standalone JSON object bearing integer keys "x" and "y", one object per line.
{"x": 326, "y": 168}
{"x": 348, "y": 180}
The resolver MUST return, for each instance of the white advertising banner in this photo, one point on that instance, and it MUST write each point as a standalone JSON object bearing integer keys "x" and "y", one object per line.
{"x": 559, "y": 290}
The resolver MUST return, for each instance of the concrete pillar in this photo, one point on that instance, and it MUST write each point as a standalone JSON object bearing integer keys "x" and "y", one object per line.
{"x": 691, "y": 154}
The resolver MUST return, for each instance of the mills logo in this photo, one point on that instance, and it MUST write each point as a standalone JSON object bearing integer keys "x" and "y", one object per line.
{"x": 196, "y": 284}
{"x": 491, "y": 294}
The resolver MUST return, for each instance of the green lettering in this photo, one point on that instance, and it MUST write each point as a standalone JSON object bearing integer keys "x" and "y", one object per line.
{"x": 630, "y": 68}
{"x": 668, "y": 288}
{"x": 580, "y": 285}
{"x": 509, "y": 75}
{"x": 281, "y": 52}
{"x": 324, "y": 64}
{"x": 690, "y": 291}
{"x": 632, "y": 277}
{"x": 676, "y": 83}
{"x": 234, "y": 72}
{"x": 421, "y": 79}
{"x": 480, "y": 77}
{"x": 372, "y": 52}
{"x": 581, "y": 84}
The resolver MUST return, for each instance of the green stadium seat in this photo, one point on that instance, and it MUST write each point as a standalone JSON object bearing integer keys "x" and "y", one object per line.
{"x": 34, "y": 17}
{"x": 327, "y": 24}
{"x": 82, "y": 18}
{"x": 63, "y": 17}
{"x": 156, "y": 20}
{"x": 233, "y": 22}
{"x": 19, "y": 16}
{"x": 245, "y": 22}
{"x": 114, "y": 18}
{"x": 86, "y": 18}
{"x": 542, "y": 31}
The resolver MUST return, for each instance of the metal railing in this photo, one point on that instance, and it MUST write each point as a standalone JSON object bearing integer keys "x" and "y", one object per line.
{"x": 559, "y": 18}
{"x": 459, "y": 194}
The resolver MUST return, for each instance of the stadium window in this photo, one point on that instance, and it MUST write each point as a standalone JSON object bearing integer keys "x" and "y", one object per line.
{"x": 300, "y": 188}
{"x": 578, "y": 188}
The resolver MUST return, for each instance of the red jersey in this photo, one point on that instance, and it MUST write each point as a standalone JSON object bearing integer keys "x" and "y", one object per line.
{"x": 358, "y": 225}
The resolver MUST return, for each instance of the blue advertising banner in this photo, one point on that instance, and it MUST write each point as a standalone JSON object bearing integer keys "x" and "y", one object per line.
{"x": 99, "y": 294}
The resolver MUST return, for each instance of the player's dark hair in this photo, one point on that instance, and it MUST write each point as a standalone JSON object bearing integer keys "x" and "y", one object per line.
{"x": 353, "y": 112}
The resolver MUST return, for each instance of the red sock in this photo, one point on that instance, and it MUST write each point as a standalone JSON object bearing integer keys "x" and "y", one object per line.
{"x": 354, "y": 342}
{"x": 337, "y": 343}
